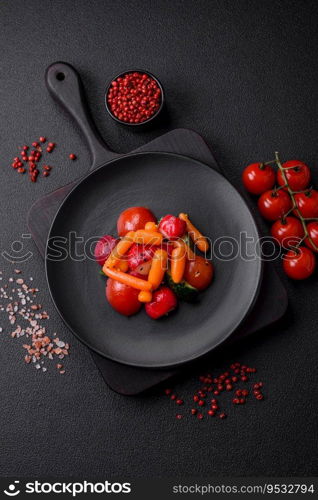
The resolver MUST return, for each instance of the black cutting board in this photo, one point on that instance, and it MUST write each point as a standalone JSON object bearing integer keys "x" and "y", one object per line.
{"x": 269, "y": 307}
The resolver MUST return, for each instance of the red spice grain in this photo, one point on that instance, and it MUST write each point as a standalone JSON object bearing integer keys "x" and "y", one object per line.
{"x": 72, "y": 156}
{"x": 179, "y": 417}
{"x": 42, "y": 139}
{"x": 194, "y": 411}
{"x": 26, "y": 322}
{"x": 134, "y": 97}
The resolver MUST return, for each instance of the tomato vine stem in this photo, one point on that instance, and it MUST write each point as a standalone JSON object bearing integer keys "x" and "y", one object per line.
{"x": 294, "y": 207}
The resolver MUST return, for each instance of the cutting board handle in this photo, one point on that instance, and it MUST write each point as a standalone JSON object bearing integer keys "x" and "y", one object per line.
{"x": 65, "y": 86}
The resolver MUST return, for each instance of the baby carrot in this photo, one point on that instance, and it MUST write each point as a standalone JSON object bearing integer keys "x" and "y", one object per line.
{"x": 151, "y": 226}
{"x": 120, "y": 249}
{"x": 144, "y": 296}
{"x": 122, "y": 265}
{"x": 187, "y": 249}
{"x": 148, "y": 237}
{"x": 199, "y": 240}
{"x": 128, "y": 279}
{"x": 178, "y": 262}
{"x": 158, "y": 268}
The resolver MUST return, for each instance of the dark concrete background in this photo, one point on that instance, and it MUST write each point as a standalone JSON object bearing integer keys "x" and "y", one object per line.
{"x": 244, "y": 75}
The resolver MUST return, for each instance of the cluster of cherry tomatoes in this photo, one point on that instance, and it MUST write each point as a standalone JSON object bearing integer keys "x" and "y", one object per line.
{"x": 287, "y": 200}
{"x": 153, "y": 263}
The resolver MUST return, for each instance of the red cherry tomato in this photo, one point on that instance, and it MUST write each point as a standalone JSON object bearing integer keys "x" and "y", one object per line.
{"x": 307, "y": 204}
{"x": 134, "y": 218}
{"x": 163, "y": 301}
{"x": 274, "y": 204}
{"x": 172, "y": 227}
{"x": 103, "y": 248}
{"x": 122, "y": 298}
{"x": 298, "y": 177}
{"x": 287, "y": 232}
{"x": 199, "y": 272}
{"x": 258, "y": 178}
{"x": 312, "y": 229}
{"x": 300, "y": 264}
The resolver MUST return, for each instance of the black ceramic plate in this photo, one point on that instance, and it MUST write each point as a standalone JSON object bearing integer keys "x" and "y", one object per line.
{"x": 166, "y": 183}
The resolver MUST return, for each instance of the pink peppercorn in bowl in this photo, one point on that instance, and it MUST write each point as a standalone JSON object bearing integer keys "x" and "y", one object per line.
{"x": 134, "y": 98}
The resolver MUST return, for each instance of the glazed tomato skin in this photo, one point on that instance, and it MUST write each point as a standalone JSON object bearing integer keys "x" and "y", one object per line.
{"x": 301, "y": 265}
{"x": 287, "y": 232}
{"x": 140, "y": 254}
{"x": 312, "y": 229}
{"x": 163, "y": 301}
{"x": 274, "y": 204}
{"x": 298, "y": 177}
{"x": 134, "y": 218}
{"x": 258, "y": 178}
{"x": 103, "y": 248}
{"x": 199, "y": 272}
{"x": 307, "y": 204}
{"x": 172, "y": 227}
{"x": 122, "y": 298}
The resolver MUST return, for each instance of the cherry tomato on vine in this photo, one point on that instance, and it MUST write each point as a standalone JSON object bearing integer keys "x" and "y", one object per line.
{"x": 274, "y": 204}
{"x": 307, "y": 204}
{"x": 134, "y": 218}
{"x": 287, "y": 232}
{"x": 298, "y": 175}
{"x": 199, "y": 272}
{"x": 312, "y": 229}
{"x": 299, "y": 264}
{"x": 258, "y": 178}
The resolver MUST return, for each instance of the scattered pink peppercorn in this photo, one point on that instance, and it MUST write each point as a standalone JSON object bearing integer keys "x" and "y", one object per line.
{"x": 42, "y": 139}
{"x": 72, "y": 156}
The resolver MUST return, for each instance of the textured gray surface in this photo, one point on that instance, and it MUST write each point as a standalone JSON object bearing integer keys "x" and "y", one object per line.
{"x": 242, "y": 74}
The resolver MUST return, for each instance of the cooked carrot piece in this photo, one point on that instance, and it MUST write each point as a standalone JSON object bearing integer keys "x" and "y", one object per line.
{"x": 122, "y": 265}
{"x": 120, "y": 250}
{"x": 198, "y": 239}
{"x": 151, "y": 226}
{"x": 144, "y": 296}
{"x": 158, "y": 268}
{"x": 189, "y": 252}
{"x": 128, "y": 279}
{"x": 148, "y": 237}
{"x": 178, "y": 262}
